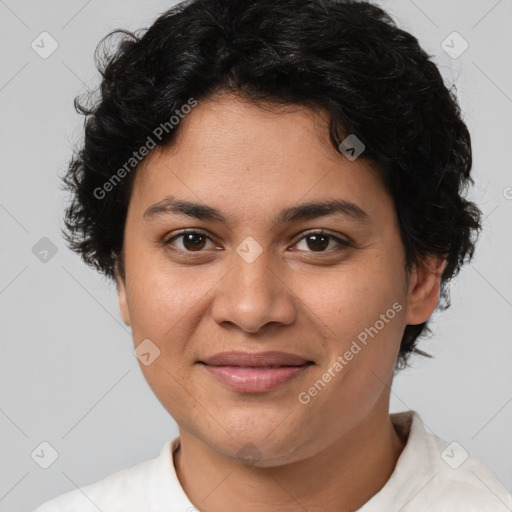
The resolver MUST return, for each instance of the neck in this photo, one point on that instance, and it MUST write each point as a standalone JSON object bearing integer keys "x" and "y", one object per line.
{"x": 341, "y": 478}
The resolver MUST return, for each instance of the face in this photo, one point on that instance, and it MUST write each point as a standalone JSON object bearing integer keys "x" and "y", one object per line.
{"x": 256, "y": 272}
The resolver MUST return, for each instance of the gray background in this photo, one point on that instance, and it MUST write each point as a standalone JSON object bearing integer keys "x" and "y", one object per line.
{"x": 68, "y": 372}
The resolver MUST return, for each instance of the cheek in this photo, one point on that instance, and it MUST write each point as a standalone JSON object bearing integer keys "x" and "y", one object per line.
{"x": 165, "y": 306}
{"x": 361, "y": 312}
{"x": 352, "y": 298}
{"x": 163, "y": 309}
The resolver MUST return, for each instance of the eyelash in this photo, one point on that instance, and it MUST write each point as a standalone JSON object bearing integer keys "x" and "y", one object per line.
{"x": 343, "y": 244}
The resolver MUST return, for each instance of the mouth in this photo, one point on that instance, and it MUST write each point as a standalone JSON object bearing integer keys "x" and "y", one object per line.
{"x": 255, "y": 373}
{"x": 271, "y": 359}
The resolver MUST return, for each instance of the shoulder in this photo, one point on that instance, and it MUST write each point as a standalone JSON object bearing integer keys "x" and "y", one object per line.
{"x": 475, "y": 492}
{"x": 124, "y": 490}
{"x": 460, "y": 482}
{"x": 433, "y": 475}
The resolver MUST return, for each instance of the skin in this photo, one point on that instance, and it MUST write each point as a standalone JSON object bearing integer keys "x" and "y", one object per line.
{"x": 192, "y": 301}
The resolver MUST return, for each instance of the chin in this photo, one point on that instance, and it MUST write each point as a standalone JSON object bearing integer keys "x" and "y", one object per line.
{"x": 260, "y": 448}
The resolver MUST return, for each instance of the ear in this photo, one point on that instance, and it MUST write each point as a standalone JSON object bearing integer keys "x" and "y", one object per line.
{"x": 121, "y": 297}
{"x": 424, "y": 286}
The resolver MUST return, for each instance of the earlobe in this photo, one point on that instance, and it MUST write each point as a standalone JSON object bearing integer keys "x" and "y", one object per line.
{"x": 424, "y": 287}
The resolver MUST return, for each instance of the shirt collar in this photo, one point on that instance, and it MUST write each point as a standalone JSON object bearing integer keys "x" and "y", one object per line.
{"x": 414, "y": 467}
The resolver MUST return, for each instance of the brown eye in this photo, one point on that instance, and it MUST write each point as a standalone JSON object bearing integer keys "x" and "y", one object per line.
{"x": 319, "y": 242}
{"x": 192, "y": 241}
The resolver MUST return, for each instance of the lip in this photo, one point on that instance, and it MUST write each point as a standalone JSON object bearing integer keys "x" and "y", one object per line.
{"x": 257, "y": 372}
{"x": 255, "y": 359}
{"x": 254, "y": 379}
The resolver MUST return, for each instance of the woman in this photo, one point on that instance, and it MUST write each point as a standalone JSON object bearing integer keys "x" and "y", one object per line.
{"x": 274, "y": 186}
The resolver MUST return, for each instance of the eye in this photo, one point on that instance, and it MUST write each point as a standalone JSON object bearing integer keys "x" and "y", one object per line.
{"x": 193, "y": 241}
{"x": 319, "y": 241}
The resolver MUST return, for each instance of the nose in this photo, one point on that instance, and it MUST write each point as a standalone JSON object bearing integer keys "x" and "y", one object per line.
{"x": 252, "y": 294}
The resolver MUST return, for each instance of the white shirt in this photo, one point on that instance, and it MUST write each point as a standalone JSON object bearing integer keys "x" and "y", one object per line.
{"x": 431, "y": 475}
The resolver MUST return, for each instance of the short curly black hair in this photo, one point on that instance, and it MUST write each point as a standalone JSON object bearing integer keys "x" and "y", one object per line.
{"x": 348, "y": 58}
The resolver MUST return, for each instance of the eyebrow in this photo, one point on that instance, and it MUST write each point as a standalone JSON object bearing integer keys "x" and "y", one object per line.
{"x": 304, "y": 211}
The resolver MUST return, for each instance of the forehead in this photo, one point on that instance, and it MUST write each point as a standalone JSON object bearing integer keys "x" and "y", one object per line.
{"x": 228, "y": 151}
{"x": 233, "y": 128}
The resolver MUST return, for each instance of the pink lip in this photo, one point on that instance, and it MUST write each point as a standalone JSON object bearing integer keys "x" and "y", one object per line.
{"x": 254, "y": 380}
{"x": 255, "y": 359}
